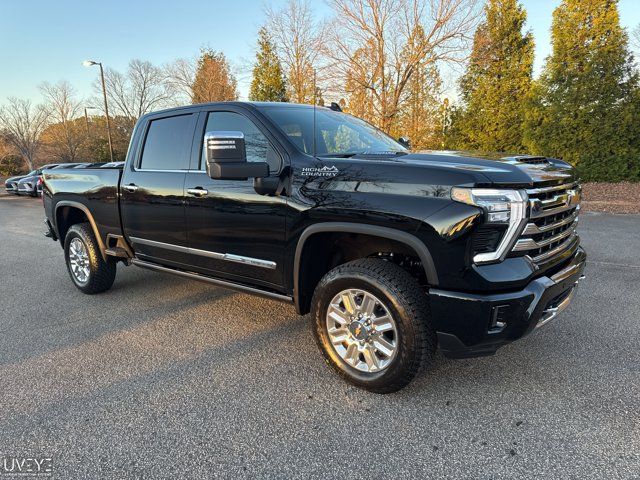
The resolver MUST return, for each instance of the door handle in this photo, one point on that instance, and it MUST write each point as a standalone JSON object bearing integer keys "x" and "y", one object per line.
{"x": 197, "y": 192}
{"x": 130, "y": 188}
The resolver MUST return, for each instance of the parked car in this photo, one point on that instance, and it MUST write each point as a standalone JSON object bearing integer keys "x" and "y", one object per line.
{"x": 71, "y": 165}
{"x": 11, "y": 183}
{"x": 394, "y": 253}
{"x": 27, "y": 185}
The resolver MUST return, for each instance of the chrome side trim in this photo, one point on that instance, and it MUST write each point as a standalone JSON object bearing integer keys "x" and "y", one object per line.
{"x": 214, "y": 281}
{"x": 154, "y": 170}
{"x": 229, "y": 257}
{"x": 531, "y": 244}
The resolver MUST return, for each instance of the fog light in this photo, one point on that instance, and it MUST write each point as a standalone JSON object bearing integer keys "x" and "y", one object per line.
{"x": 498, "y": 318}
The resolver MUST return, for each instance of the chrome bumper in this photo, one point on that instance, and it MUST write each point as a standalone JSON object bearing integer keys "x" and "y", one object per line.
{"x": 552, "y": 312}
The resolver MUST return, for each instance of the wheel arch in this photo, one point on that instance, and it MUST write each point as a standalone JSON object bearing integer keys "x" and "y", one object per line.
{"x": 65, "y": 218}
{"x": 405, "y": 238}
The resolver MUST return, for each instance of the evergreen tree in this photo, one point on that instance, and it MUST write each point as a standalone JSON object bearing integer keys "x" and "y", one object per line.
{"x": 585, "y": 107}
{"x": 268, "y": 84}
{"x": 214, "y": 81}
{"x": 497, "y": 80}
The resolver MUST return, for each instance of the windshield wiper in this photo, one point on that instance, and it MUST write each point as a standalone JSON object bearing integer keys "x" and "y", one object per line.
{"x": 340, "y": 155}
{"x": 364, "y": 152}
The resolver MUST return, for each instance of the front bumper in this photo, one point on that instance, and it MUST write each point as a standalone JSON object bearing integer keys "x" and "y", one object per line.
{"x": 471, "y": 325}
{"x": 25, "y": 189}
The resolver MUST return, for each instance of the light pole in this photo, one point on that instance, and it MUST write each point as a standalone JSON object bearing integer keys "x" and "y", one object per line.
{"x": 90, "y": 63}
{"x": 86, "y": 120}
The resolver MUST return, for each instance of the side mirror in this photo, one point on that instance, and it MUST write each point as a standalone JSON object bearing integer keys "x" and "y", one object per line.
{"x": 227, "y": 158}
{"x": 405, "y": 142}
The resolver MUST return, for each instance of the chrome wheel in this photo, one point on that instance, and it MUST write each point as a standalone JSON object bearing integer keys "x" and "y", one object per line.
{"x": 79, "y": 260}
{"x": 361, "y": 330}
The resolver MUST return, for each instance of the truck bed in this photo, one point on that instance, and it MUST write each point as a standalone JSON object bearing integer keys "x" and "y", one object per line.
{"x": 94, "y": 188}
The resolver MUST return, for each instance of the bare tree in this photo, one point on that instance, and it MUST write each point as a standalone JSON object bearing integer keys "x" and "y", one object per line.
{"x": 142, "y": 89}
{"x": 298, "y": 38}
{"x": 64, "y": 136}
{"x": 22, "y": 124}
{"x": 398, "y": 36}
{"x": 635, "y": 38}
{"x": 181, "y": 75}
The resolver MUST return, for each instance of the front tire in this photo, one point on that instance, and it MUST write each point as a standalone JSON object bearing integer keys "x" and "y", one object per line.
{"x": 89, "y": 272}
{"x": 372, "y": 324}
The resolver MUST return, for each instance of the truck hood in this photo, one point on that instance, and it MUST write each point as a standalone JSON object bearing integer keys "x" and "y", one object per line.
{"x": 484, "y": 169}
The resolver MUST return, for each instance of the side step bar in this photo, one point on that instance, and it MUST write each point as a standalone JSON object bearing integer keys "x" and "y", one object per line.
{"x": 117, "y": 252}
{"x": 214, "y": 281}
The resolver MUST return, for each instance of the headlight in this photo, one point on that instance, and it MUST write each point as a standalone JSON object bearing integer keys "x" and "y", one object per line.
{"x": 507, "y": 207}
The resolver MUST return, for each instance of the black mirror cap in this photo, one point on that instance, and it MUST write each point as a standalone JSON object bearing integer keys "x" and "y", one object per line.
{"x": 237, "y": 170}
{"x": 405, "y": 142}
{"x": 227, "y": 146}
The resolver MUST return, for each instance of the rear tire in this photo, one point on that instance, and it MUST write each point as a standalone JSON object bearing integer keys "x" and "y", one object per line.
{"x": 89, "y": 272}
{"x": 373, "y": 325}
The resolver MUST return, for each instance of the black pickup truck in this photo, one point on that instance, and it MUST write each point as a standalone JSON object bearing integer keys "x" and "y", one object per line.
{"x": 394, "y": 253}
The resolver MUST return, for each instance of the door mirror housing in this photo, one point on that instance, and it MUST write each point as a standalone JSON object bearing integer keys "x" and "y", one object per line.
{"x": 226, "y": 157}
{"x": 405, "y": 142}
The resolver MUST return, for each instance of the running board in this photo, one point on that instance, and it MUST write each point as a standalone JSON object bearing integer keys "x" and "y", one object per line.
{"x": 214, "y": 281}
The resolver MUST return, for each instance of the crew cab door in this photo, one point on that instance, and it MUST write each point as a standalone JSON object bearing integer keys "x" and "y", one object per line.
{"x": 234, "y": 232}
{"x": 152, "y": 189}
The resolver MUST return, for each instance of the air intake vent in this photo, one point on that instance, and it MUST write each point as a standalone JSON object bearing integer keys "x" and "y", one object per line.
{"x": 531, "y": 160}
{"x": 487, "y": 237}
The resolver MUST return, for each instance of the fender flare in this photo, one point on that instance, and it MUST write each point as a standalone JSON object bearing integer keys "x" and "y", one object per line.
{"x": 92, "y": 222}
{"x": 384, "y": 232}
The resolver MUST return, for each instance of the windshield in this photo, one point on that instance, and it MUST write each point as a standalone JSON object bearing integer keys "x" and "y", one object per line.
{"x": 336, "y": 133}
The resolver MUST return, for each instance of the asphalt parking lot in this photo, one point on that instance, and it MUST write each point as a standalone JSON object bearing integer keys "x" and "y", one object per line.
{"x": 164, "y": 377}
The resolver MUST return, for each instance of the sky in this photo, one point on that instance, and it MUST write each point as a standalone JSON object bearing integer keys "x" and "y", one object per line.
{"x": 46, "y": 40}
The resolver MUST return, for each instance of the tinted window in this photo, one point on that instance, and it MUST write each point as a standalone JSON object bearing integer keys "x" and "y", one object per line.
{"x": 167, "y": 144}
{"x": 335, "y": 132}
{"x": 256, "y": 144}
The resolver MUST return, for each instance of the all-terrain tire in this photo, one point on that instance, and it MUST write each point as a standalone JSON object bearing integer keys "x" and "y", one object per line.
{"x": 408, "y": 305}
{"x": 101, "y": 273}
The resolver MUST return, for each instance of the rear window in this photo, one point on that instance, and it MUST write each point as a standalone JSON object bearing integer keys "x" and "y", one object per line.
{"x": 167, "y": 144}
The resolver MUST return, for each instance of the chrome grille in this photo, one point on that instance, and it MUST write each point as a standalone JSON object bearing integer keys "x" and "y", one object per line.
{"x": 553, "y": 218}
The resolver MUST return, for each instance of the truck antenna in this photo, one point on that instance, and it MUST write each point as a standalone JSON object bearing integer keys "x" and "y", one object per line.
{"x": 315, "y": 100}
